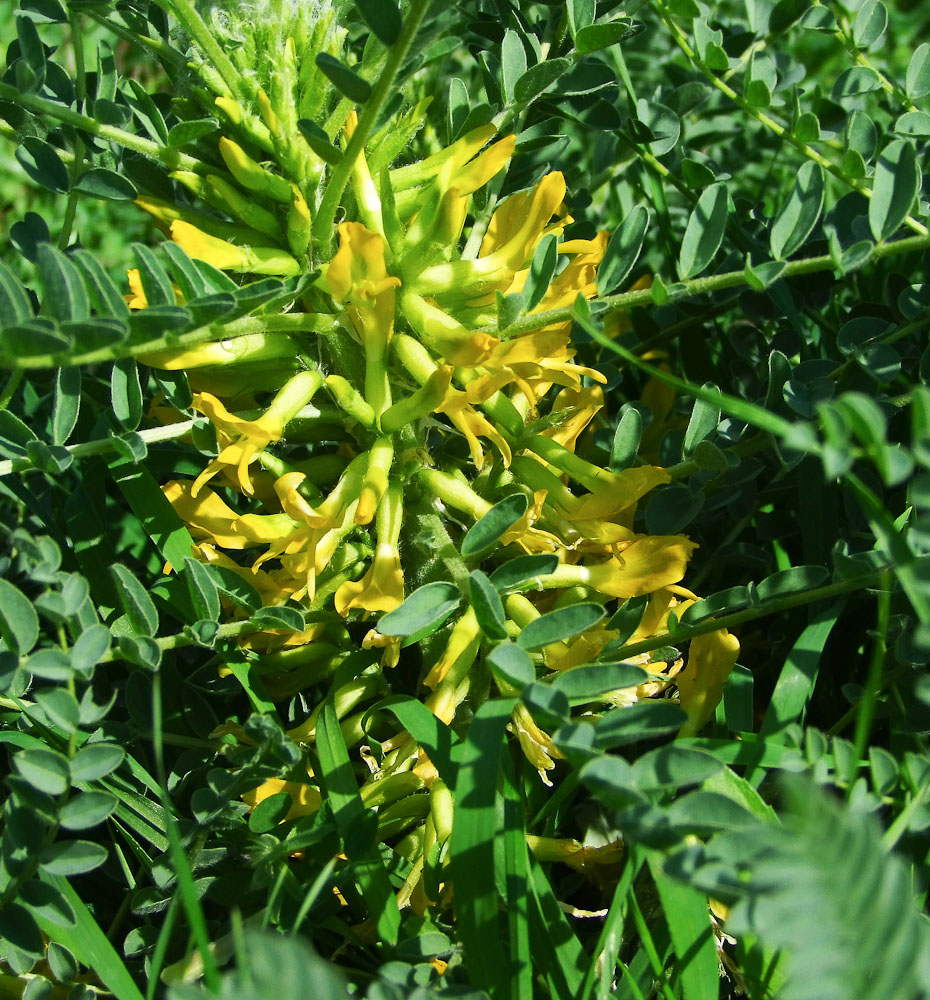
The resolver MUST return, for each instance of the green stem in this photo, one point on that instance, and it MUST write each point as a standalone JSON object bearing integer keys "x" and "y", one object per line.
{"x": 698, "y": 286}
{"x": 645, "y": 937}
{"x": 191, "y": 20}
{"x": 869, "y": 699}
{"x": 282, "y": 323}
{"x": 685, "y": 632}
{"x": 77, "y": 42}
{"x": 167, "y": 433}
{"x": 165, "y": 154}
{"x": 323, "y": 224}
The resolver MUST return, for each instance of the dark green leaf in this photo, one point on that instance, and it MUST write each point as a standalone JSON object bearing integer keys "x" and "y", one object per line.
{"x": 800, "y": 212}
{"x": 280, "y": 616}
{"x": 43, "y": 165}
{"x": 270, "y": 812}
{"x": 345, "y": 80}
{"x": 674, "y": 767}
{"x": 642, "y": 721}
{"x": 855, "y": 81}
{"x": 542, "y": 269}
{"x": 44, "y": 769}
{"x": 523, "y": 571}
{"x": 487, "y": 605}
{"x": 203, "y": 590}
{"x": 600, "y": 36}
{"x": 563, "y": 623}
{"x": 19, "y": 623}
{"x": 585, "y": 684}
{"x": 513, "y": 62}
{"x": 19, "y": 929}
{"x": 96, "y": 760}
{"x": 870, "y": 23}
{"x": 897, "y": 181}
{"x": 914, "y": 123}
{"x": 65, "y": 293}
{"x": 486, "y": 532}
{"x": 190, "y": 131}
{"x": 622, "y": 251}
{"x": 107, "y": 184}
{"x": 15, "y": 306}
{"x": 319, "y": 141}
{"x": 512, "y": 664}
{"x": 704, "y": 419}
{"x": 140, "y": 611}
{"x": 538, "y": 79}
{"x": 426, "y": 608}
{"x": 72, "y": 857}
{"x": 45, "y": 901}
{"x": 86, "y": 810}
{"x": 67, "y": 403}
{"x": 383, "y": 17}
{"x": 790, "y": 581}
{"x": 126, "y": 393}
{"x": 60, "y": 707}
{"x": 918, "y": 72}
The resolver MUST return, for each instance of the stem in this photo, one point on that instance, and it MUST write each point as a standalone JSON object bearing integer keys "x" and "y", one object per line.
{"x": 323, "y": 224}
{"x": 697, "y": 286}
{"x": 685, "y": 632}
{"x": 867, "y": 703}
{"x": 187, "y": 14}
{"x": 77, "y": 163}
{"x": 167, "y": 433}
{"x": 283, "y": 323}
{"x": 165, "y": 154}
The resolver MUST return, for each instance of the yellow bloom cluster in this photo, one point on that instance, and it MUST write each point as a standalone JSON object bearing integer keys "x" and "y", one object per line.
{"x": 438, "y": 413}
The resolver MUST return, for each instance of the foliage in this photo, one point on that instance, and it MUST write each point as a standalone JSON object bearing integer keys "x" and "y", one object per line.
{"x": 375, "y": 549}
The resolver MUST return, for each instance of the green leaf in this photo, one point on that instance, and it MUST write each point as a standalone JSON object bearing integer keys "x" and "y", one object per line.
{"x": 897, "y": 181}
{"x": 623, "y": 250}
{"x": 46, "y": 902}
{"x": 319, "y": 141}
{"x": 627, "y": 437}
{"x": 513, "y": 63}
{"x": 106, "y": 297}
{"x": 61, "y": 708}
{"x": 485, "y": 533}
{"x": 140, "y": 611}
{"x": 426, "y": 608}
{"x": 854, "y": 82}
{"x": 15, "y": 306}
{"x": 790, "y": 581}
{"x": 542, "y": 269}
{"x": 538, "y": 79}
{"x": 704, "y": 419}
{"x": 672, "y": 508}
{"x": 270, "y": 812}
{"x": 487, "y": 605}
{"x": 674, "y": 766}
{"x": 32, "y": 54}
{"x": 641, "y": 721}
{"x": 18, "y": 928}
{"x": 86, "y": 810}
{"x": 870, "y": 23}
{"x": 96, "y": 760}
{"x": 523, "y": 571}
{"x": 43, "y": 165}
{"x": 383, "y": 17}
{"x": 72, "y": 857}
{"x": 107, "y": 184}
{"x": 580, "y": 14}
{"x": 19, "y": 623}
{"x": 704, "y": 232}
{"x": 800, "y": 213}
{"x": 917, "y": 81}
{"x": 914, "y": 123}
{"x": 585, "y": 684}
{"x": 187, "y": 132}
{"x": 723, "y": 602}
{"x": 65, "y": 293}
{"x": 67, "y": 403}
{"x": 46, "y": 770}
{"x": 280, "y": 616}
{"x": 203, "y": 590}
{"x": 512, "y": 664}
{"x": 686, "y": 914}
{"x": 345, "y": 80}
{"x": 563, "y": 623}
{"x": 600, "y": 36}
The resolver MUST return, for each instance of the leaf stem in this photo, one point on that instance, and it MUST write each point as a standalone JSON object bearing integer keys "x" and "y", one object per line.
{"x": 323, "y": 223}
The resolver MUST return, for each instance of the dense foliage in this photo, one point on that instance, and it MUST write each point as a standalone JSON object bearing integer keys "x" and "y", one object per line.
{"x": 466, "y": 499}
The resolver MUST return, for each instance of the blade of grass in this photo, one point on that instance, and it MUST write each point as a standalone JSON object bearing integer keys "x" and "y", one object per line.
{"x": 346, "y": 803}
{"x": 474, "y": 831}
{"x": 688, "y": 920}
{"x": 515, "y": 877}
{"x": 557, "y": 953}
{"x": 87, "y": 942}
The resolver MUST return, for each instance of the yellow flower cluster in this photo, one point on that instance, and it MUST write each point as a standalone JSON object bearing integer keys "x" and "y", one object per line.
{"x": 441, "y": 413}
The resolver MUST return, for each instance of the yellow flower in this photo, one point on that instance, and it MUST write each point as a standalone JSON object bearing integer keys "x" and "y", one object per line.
{"x": 382, "y": 587}
{"x": 242, "y": 441}
{"x": 711, "y": 657}
{"x": 228, "y": 257}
